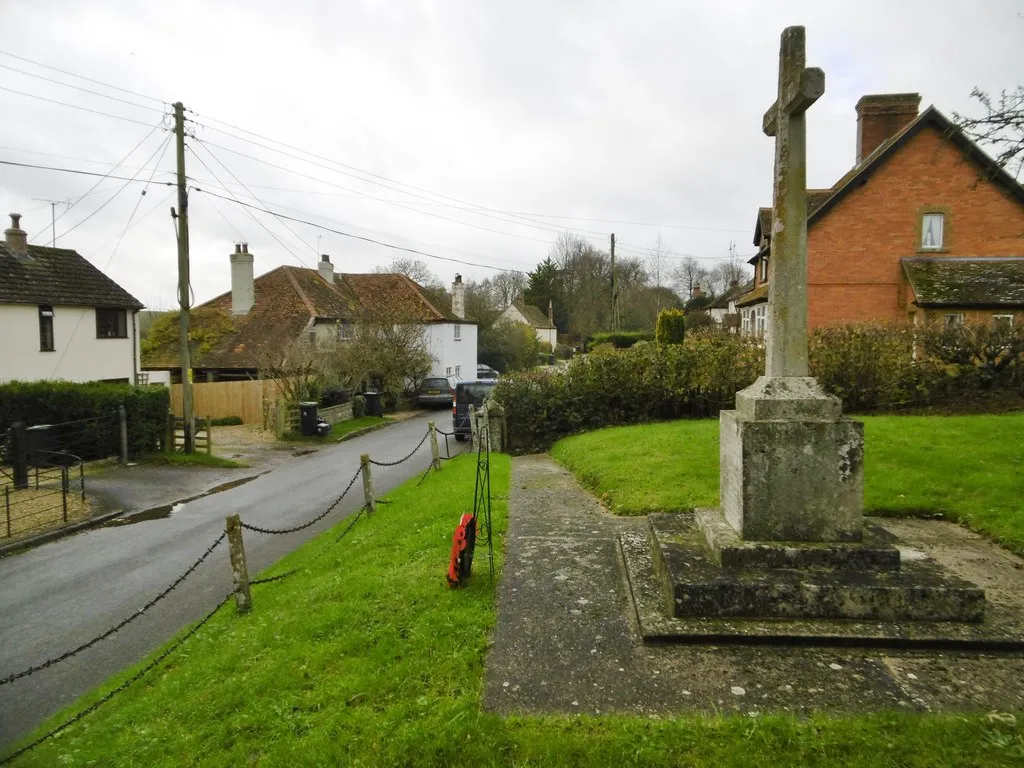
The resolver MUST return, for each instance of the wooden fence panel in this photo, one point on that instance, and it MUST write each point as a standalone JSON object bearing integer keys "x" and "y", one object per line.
{"x": 246, "y": 399}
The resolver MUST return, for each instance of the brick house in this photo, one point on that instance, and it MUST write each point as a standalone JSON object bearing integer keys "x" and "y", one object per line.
{"x": 924, "y": 228}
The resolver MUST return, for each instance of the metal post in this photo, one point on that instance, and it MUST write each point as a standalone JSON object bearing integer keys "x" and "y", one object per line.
{"x": 239, "y": 570}
{"x": 7, "y": 504}
{"x": 122, "y": 419}
{"x": 435, "y": 452}
{"x": 209, "y": 435}
{"x": 64, "y": 490}
{"x": 474, "y": 436}
{"x": 19, "y": 449}
{"x": 371, "y": 502}
{"x": 169, "y": 433}
{"x": 81, "y": 478}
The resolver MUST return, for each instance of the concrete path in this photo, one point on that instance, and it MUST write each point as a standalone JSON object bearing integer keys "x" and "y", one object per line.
{"x": 61, "y": 594}
{"x": 566, "y": 639}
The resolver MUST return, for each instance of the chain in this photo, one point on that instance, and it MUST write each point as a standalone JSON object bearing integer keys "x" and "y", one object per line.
{"x": 121, "y": 625}
{"x": 274, "y": 578}
{"x": 442, "y": 432}
{"x": 349, "y": 526}
{"x": 134, "y": 678}
{"x": 318, "y": 518}
{"x": 404, "y": 458}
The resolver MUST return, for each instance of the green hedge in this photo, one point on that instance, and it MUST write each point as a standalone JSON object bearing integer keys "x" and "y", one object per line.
{"x": 670, "y": 327}
{"x": 619, "y": 339}
{"x": 870, "y": 367}
{"x": 93, "y": 407}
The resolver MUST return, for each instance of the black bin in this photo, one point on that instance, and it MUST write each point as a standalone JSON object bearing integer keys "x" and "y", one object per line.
{"x": 374, "y": 407}
{"x": 41, "y": 445}
{"x": 307, "y": 419}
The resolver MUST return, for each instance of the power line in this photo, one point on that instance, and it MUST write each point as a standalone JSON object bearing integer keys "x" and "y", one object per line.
{"x": 634, "y": 223}
{"x": 359, "y": 237}
{"x": 78, "y": 172}
{"x": 251, "y": 215}
{"x": 80, "y": 88}
{"x": 73, "y": 106}
{"x": 83, "y": 77}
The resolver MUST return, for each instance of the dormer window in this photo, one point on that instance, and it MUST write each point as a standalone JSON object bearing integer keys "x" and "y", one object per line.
{"x": 764, "y": 269}
{"x": 932, "y": 231}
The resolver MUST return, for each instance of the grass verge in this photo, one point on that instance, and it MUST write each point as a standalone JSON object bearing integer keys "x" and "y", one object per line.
{"x": 364, "y": 657}
{"x": 339, "y": 430}
{"x": 191, "y": 460}
{"x": 969, "y": 469}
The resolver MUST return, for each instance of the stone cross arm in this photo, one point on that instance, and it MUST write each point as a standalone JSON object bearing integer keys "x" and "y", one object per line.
{"x": 795, "y": 97}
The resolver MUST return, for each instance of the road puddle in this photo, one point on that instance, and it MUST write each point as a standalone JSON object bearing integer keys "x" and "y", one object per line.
{"x": 165, "y": 510}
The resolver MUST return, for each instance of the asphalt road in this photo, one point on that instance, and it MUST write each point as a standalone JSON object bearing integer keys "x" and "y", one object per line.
{"x": 62, "y": 594}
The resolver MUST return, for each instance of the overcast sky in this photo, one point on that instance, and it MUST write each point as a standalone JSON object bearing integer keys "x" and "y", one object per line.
{"x": 635, "y": 111}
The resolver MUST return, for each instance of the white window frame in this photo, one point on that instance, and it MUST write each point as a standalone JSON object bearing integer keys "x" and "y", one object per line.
{"x": 761, "y": 319}
{"x": 764, "y": 270}
{"x": 458, "y": 371}
{"x": 952, "y": 319}
{"x": 1007, "y": 318}
{"x": 458, "y": 332}
{"x": 746, "y": 325}
{"x": 344, "y": 331}
{"x": 942, "y": 231}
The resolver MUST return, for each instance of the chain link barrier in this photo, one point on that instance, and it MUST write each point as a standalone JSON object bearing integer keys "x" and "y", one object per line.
{"x": 404, "y": 458}
{"x": 107, "y": 697}
{"x": 117, "y": 627}
{"x": 317, "y": 519}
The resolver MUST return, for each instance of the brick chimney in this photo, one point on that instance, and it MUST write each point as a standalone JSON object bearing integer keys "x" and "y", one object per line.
{"x": 243, "y": 290}
{"x": 882, "y": 116}
{"x": 16, "y": 238}
{"x": 326, "y": 269}
{"x": 459, "y": 297}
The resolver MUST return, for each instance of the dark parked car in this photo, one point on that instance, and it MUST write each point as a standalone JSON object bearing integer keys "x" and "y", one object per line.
{"x": 435, "y": 392}
{"x": 486, "y": 372}
{"x": 468, "y": 393}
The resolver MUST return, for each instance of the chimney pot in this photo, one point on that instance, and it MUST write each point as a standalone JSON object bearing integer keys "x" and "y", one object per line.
{"x": 459, "y": 298}
{"x": 15, "y": 237}
{"x": 238, "y": 247}
{"x": 881, "y": 116}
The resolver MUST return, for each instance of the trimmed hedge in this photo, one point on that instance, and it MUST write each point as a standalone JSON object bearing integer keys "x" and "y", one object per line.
{"x": 619, "y": 339}
{"x": 56, "y": 402}
{"x": 870, "y": 367}
{"x": 670, "y": 327}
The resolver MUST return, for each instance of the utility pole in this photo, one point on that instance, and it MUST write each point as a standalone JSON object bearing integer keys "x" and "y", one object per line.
{"x": 613, "y": 322}
{"x": 183, "y": 281}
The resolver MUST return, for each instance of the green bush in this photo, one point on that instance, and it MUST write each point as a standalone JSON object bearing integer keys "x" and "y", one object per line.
{"x": 358, "y": 407}
{"x": 619, "y": 339}
{"x": 870, "y": 367}
{"x": 93, "y": 406}
{"x": 226, "y": 421}
{"x": 671, "y": 326}
{"x": 563, "y": 351}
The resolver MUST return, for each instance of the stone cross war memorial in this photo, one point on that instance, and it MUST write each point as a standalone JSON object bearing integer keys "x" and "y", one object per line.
{"x": 789, "y": 554}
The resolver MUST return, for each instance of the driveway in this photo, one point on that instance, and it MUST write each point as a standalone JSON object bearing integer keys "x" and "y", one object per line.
{"x": 62, "y": 594}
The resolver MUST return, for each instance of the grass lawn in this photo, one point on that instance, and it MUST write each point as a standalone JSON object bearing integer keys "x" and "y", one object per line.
{"x": 967, "y": 468}
{"x": 191, "y": 460}
{"x": 364, "y": 657}
{"x": 338, "y": 430}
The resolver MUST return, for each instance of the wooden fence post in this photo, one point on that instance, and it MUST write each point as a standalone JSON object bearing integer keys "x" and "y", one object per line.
{"x": 209, "y": 435}
{"x": 371, "y": 503}
{"x": 435, "y": 452}
{"x": 169, "y": 433}
{"x": 239, "y": 570}
{"x": 122, "y": 420}
{"x": 19, "y": 451}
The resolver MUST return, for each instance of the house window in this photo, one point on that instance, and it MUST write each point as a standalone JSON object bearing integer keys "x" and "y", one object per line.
{"x": 764, "y": 270}
{"x": 448, "y": 371}
{"x": 458, "y": 370}
{"x": 931, "y": 231}
{"x": 745, "y": 322}
{"x": 760, "y": 319}
{"x": 111, "y": 324}
{"x": 46, "y": 328}
{"x": 1004, "y": 322}
{"x": 344, "y": 331}
{"x": 458, "y": 332}
{"x": 953, "y": 320}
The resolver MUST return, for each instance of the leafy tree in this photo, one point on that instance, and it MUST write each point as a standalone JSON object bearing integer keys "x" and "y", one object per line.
{"x": 508, "y": 347}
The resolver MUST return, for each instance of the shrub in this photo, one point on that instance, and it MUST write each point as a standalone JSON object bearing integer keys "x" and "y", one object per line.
{"x": 619, "y": 339}
{"x": 670, "y": 327}
{"x": 870, "y": 367}
{"x": 563, "y": 351}
{"x": 358, "y": 407}
{"x": 57, "y": 402}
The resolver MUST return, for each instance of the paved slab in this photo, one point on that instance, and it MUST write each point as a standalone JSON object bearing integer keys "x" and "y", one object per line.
{"x": 567, "y": 642}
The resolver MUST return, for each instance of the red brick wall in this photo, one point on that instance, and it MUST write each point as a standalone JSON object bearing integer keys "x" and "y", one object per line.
{"x": 854, "y": 251}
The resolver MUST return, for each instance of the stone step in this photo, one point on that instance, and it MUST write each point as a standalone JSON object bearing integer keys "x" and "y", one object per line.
{"x": 693, "y": 584}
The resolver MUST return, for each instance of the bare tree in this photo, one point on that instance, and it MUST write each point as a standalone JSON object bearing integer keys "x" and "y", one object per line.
{"x": 721, "y": 276}
{"x": 657, "y": 262}
{"x": 416, "y": 270}
{"x": 1001, "y": 126}
{"x": 506, "y": 287}
{"x": 687, "y": 276}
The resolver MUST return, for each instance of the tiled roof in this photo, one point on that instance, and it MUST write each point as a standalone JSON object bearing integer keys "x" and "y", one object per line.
{"x": 722, "y": 302}
{"x": 815, "y": 199}
{"x": 758, "y": 294}
{"x": 398, "y": 295}
{"x": 58, "y": 276}
{"x": 288, "y": 299}
{"x": 966, "y": 282}
{"x": 533, "y": 315}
